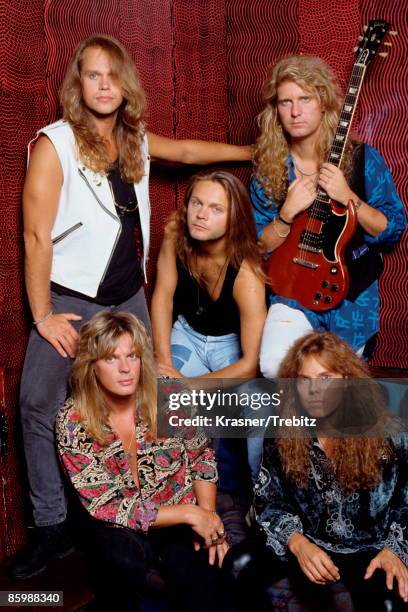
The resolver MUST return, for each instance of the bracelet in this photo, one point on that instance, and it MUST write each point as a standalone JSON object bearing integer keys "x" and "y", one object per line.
{"x": 276, "y": 231}
{"x": 284, "y": 221}
{"x": 47, "y": 316}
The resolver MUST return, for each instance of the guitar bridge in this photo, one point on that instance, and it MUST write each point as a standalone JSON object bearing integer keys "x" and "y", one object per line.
{"x": 305, "y": 263}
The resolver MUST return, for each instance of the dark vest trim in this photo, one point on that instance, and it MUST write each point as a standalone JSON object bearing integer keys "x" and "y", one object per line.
{"x": 364, "y": 261}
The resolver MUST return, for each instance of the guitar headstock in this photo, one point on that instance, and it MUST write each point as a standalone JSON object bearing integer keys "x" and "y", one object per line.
{"x": 371, "y": 41}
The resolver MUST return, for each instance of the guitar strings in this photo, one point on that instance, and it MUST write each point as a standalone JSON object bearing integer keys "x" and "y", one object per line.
{"x": 315, "y": 210}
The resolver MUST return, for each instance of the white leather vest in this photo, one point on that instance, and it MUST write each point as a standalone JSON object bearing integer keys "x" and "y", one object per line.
{"x": 87, "y": 227}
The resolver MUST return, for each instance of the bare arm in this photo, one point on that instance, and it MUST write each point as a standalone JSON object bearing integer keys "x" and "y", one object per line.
{"x": 205, "y": 493}
{"x": 162, "y": 301}
{"x": 40, "y": 202}
{"x": 249, "y": 294}
{"x": 195, "y": 151}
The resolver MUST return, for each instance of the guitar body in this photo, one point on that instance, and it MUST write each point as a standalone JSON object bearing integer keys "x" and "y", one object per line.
{"x": 309, "y": 266}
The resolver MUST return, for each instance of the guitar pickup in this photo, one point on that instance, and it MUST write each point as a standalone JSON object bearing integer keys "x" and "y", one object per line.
{"x": 306, "y": 247}
{"x": 305, "y": 263}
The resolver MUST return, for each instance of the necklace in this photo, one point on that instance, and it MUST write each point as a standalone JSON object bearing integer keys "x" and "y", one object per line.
{"x": 127, "y": 452}
{"x": 122, "y": 210}
{"x": 201, "y": 308}
{"x": 301, "y": 171}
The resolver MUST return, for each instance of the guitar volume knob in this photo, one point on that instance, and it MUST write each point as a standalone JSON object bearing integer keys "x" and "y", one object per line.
{"x": 334, "y": 287}
{"x": 328, "y": 299}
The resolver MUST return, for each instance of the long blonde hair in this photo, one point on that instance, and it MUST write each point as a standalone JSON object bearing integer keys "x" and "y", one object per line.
{"x": 272, "y": 147}
{"x": 130, "y": 127}
{"x": 98, "y": 339}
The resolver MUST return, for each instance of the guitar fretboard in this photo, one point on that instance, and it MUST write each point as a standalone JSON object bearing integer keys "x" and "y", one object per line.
{"x": 319, "y": 209}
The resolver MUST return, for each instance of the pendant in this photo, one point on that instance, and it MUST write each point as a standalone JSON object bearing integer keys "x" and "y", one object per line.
{"x": 96, "y": 177}
{"x": 199, "y": 311}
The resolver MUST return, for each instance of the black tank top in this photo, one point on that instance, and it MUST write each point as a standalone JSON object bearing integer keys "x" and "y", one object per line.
{"x": 123, "y": 276}
{"x": 206, "y": 316}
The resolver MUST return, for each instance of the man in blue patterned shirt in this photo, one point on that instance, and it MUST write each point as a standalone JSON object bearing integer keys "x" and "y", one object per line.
{"x": 297, "y": 129}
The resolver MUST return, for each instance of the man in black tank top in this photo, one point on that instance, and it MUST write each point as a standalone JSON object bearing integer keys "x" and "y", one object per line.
{"x": 208, "y": 306}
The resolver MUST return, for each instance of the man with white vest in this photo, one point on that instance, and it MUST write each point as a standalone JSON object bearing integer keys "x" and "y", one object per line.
{"x": 85, "y": 197}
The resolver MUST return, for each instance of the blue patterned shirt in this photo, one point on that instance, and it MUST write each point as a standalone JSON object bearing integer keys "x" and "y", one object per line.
{"x": 355, "y": 321}
{"x": 334, "y": 520}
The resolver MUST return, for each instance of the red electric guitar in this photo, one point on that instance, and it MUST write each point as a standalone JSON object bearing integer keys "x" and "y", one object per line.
{"x": 309, "y": 266}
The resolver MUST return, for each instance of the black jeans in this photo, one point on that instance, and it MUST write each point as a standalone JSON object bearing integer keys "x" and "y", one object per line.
{"x": 262, "y": 569}
{"x": 122, "y": 560}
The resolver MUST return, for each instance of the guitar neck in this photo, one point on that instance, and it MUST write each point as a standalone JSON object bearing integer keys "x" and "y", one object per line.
{"x": 346, "y": 115}
{"x": 337, "y": 149}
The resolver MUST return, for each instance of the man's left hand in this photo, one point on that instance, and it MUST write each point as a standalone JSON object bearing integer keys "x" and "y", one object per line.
{"x": 332, "y": 180}
{"x": 393, "y": 568}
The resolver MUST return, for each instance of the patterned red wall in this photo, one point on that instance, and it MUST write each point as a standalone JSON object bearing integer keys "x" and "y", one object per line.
{"x": 202, "y": 65}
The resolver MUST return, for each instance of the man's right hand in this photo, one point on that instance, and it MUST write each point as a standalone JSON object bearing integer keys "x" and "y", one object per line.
{"x": 314, "y": 562}
{"x": 59, "y": 332}
{"x": 301, "y": 194}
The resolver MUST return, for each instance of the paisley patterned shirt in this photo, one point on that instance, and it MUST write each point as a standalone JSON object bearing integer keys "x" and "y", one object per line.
{"x": 334, "y": 520}
{"x": 355, "y": 322}
{"x": 102, "y": 477}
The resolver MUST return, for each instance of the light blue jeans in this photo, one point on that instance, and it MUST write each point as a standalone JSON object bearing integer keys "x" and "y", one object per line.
{"x": 195, "y": 354}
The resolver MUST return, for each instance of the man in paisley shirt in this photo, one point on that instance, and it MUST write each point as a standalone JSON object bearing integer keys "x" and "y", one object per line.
{"x": 150, "y": 500}
{"x": 298, "y": 123}
{"x": 335, "y": 508}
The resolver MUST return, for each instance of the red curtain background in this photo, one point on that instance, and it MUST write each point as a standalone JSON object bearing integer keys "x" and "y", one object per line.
{"x": 202, "y": 65}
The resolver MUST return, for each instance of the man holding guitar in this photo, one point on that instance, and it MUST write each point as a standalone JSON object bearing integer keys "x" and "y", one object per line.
{"x": 300, "y": 125}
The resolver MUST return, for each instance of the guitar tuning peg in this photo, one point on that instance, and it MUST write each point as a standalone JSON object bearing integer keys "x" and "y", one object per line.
{"x": 383, "y": 54}
{"x": 393, "y": 32}
{"x": 388, "y": 44}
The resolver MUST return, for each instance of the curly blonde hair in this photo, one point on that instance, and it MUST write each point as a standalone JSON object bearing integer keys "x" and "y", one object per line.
{"x": 314, "y": 76}
{"x": 356, "y": 461}
{"x": 98, "y": 339}
{"x": 130, "y": 127}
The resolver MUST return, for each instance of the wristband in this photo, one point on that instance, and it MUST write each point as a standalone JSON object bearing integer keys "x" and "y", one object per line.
{"x": 286, "y": 222}
{"x": 47, "y": 316}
